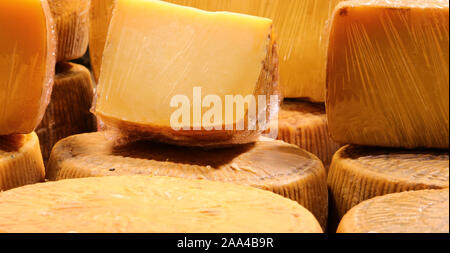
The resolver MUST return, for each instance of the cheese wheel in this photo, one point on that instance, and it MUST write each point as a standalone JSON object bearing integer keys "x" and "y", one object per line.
{"x": 150, "y": 204}
{"x": 360, "y": 173}
{"x": 72, "y": 25}
{"x": 68, "y": 111}
{"x": 27, "y": 64}
{"x": 20, "y": 161}
{"x": 305, "y": 125}
{"x": 267, "y": 164}
{"x": 424, "y": 211}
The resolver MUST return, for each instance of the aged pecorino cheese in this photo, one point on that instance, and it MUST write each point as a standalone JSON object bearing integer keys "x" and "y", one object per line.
{"x": 267, "y": 164}
{"x": 27, "y": 64}
{"x": 20, "y": 161}
{"x": 68, "y": 112}
{"x": 424, "y": 211}
{"x": 150, "y": 204}
{"x": 388, "y": 73}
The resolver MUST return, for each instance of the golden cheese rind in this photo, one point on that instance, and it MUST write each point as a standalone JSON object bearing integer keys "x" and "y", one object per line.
{"x": 360, "y": 173}
{"x": 72, "y": 25}
{"x": 388, "y": 74}
{"x": 267, "y": 164}
{"x": 150, "y": 204}
{"x": 20, "y": 161}
{"x": 68, "y": 112}
{"x": 305, "y": 125}
{"x": 27, "y": 64}
{"x": 424, "y": 211}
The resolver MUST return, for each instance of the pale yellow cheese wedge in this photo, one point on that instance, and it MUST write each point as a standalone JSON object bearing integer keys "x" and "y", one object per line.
{"x": 150, "y": 204}
{"x": 172, "y": 50}
{"x": 388, "y": 73}
{"x": 72, "y": 26}
{"x": 267, "y": 164}
{"x": 68, "y": 112}
{"x": 305, "y": 125}
{"x": 20, "y": 161}
{"x": 423, "y": 211}
{"x": 360, "y": 173}
{"x": 27, "y": 61}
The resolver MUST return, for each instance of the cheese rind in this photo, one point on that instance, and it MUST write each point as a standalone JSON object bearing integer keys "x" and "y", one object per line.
{"x": 305, "y": 125}
{"x": 423, "y": 211}
{"x": 100, "y": 15}
{"x": 27, "y": 61}
{"x": 150, "y": 204}
{"x": 235, "y": 56}
{"x": 300, "y": 26}
{"x": 20, "y": 161}
{"x": 267, "y": 164}
{"x": 360, "y": 173}
{"x": 388, "y": 73}
{"x": 68, "y": 112}
{"x": 72, "y": 26}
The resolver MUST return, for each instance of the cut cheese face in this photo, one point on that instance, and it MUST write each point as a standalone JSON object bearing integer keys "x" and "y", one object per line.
{"x": 68, "y": 112}
{"x": 423, "y": 211}
{"x": 360, "y": 173}
{"x": 99, "y": 18}
{"x": 305, "y": 125}
{"x": 174, "y": 53}
{"x": 20, "y": 161}
{"x": 388, "y": 73}
{"x": 150, "y": 204}
{"x": 27, "y": 61}
{"x": 300, "y": 26}
{"x": 267, "y": 164}
{"x": 72, "y": 25}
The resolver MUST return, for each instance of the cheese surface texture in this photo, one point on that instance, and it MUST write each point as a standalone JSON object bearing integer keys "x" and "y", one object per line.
{"x": 150, "y": 204}
{"x": 388, "y": 73}
{"x": 305, "y": 125}
{"x": 360, "y": 173}
{"x": 423, "y": 211}
{"x": 72, "y": 26}
{"x": 27, "y": 61}
{"x": 267, "y": 164}
{"x": 171, "y": 50}
{"x": 300, "y": 27}
{"x": 68, "y": 112}
{"x": 99, "y": 18}
{"x": 20, "y": 161}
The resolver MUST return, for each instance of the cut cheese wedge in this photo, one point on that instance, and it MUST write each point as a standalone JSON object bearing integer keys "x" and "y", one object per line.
{"x": 423, "y": 211}
{"x": 68, "y": 112}
{"x": 305, "y": 125}
{"x": 388, "y": 73}
{"x": 360, "y": 173}
{"x": 20, "y": 161}
{"x": 27, "y": 61}
{"x": 72, "y": 25}
{"x": 184, "y": 64}
{"x": 300, "y": 26}
{"x": 267, "y": 164}
{"x": 150, "y": 204}
{"x": 99, "y": 18}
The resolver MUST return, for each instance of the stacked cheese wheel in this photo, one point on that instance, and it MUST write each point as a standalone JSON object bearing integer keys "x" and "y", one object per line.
{"x": 379, "y": 100}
